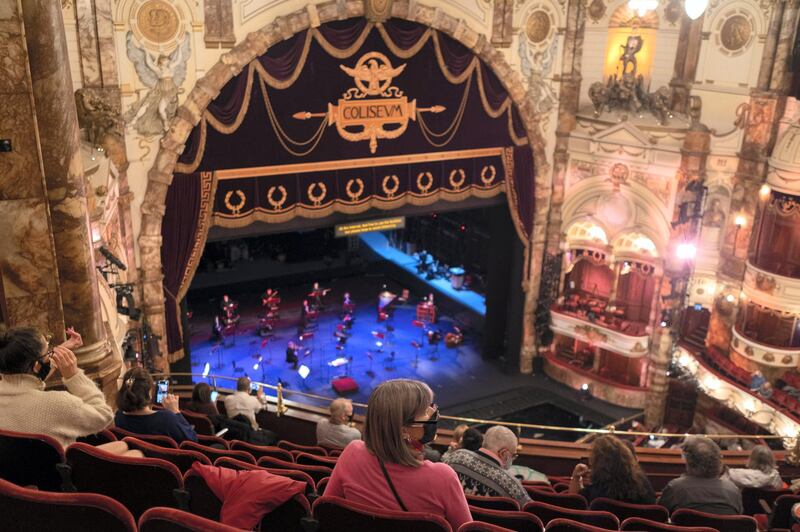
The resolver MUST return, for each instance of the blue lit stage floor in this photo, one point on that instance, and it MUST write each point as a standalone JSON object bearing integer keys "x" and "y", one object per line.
{"x": 380, "y": 245}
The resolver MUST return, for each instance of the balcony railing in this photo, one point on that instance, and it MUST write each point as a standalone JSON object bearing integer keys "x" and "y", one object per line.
{"x": 598, "y": 334}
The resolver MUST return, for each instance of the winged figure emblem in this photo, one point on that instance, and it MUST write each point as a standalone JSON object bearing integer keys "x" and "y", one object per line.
{"x": 373, "y": 73}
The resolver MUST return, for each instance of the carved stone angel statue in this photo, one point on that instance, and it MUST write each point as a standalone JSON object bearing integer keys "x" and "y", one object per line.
{"x": 164, "y": 75}
{"x": 537, "y": 69}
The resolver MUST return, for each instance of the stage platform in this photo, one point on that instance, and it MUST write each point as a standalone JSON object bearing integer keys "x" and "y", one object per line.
{"x": 379, "y": 244}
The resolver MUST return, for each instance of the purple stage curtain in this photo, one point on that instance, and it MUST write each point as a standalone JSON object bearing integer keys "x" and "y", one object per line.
{"x": 635, "y": 293}
{"x": 183, "y": 231}
{"x": 521, "y": 190}
{"x": 343, "y": 34}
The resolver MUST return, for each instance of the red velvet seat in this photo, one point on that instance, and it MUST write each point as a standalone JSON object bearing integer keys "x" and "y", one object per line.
{"x": 30, "y": 460}
{"x": 316, "y": 472}
{"x": 202, "y": 439}
{"x": 314, "y": 459}
{"x": 311, "y": 449}
{"x": 231, "y": 463}
{"x": 182, "y": 458}
{"x": 27, "y": 509}
{"x": 515, "y": 520}
{"x": 213, "y": 453}
{"x": 172, "y": 520}
{"x": 285, "y": 518}
{"x": 624, "y": 510}
{"x": 645, "y": 525}
{"x": 334, "y": 514}
{"x": 564, "y": 500}
{"x": 99, "y": 438}
{"x": 322, "y": 484}
{"x": 548, "y": 512}
{"x": 138, "y": 483}
{"x": 752, "y": 499}
{"x": 201, "y": 423}
{"x": 262, "y": 450}
{"x": 480, "y": 526}
{"x": 568, "y": 525}
{"x": 163, "y": 441}
{"x": 781, "y": 511}
{"x": 723, "y": 523}
{"x": 493, "y": 503}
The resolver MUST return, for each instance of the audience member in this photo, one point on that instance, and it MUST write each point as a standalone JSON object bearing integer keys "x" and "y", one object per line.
{"x": 387, "y": 469}
{"x": 766, "y": 390}
{"x": 472, "y": 440}
{"x": 241, "y": 403}
{"x": 700, "y": 488}
{"x": 613, "y": 472}
{"x": 25, "y": 364}
{"x": 485, "y": 471}
{"x": 201, "y": 400}
{"x": 759, "y": 473}
{"x": 757, "y": 380}
{"x": 455, "y": 441}
{"x": 243, "y": 407}
{"x": 335, "y": 432}
{"x": 136, "y": 414}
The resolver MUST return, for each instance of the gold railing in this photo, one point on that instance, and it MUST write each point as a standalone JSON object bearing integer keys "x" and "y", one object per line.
{"x": 281, "y": 393}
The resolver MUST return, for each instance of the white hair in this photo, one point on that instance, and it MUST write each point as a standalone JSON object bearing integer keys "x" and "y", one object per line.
{"x": 499, "y": 437}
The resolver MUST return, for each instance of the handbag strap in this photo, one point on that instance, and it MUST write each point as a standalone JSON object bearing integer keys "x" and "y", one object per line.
{"x": 391, "y": 486}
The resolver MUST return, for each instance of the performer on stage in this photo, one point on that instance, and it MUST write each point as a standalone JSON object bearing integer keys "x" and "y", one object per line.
{"x": 347, "y": 303}
{"x": 270, "y": 298}
{"x": 318, "y": 293}
{"x": 230, "y": 317}
{"x": 291, "y": 354}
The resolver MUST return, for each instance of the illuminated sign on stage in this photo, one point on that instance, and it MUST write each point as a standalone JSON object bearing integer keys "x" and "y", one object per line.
{"x": 369, "y": 226}
{"x": 373, "y": 109}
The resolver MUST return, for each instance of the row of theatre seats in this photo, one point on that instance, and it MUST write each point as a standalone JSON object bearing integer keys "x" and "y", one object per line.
{"x": 83, "y": 488}
{"x": 720, "y": 363}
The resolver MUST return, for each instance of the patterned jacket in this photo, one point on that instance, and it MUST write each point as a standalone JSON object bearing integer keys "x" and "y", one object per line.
{"x": 481, "y": 474}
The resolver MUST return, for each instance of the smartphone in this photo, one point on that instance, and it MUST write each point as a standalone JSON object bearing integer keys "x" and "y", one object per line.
{"x": 162, "y": 389}
{"x": 214, "y": 395}
{"x": 253, "y": 388}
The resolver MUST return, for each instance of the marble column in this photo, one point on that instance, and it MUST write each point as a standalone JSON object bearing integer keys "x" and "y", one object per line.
{"x": 659, "y": 357}
{"x": 63, "y": 170}
{"x": 28, "y": 271}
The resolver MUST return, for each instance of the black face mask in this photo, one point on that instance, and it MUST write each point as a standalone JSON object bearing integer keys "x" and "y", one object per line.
{"x": 430, "y": 432}
{"x": 44, "y": 370}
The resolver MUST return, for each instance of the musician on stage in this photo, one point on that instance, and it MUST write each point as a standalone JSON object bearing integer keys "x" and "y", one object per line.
{"x": 270, "y": 298}
{"x": 291, "y": 354}
{"x": 347, "y": 303}
{"x": 228, "y": 305}
{"x": 318, "y": 293}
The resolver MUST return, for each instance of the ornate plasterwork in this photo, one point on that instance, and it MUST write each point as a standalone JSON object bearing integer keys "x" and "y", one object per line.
{"x": 770, "y": 290}
{"x": 764, "y": 354}
{"x": 599, "y": 336}
{"x": 734, "y": 31}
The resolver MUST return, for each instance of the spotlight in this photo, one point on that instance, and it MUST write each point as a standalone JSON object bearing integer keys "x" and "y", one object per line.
{"x": 695, "y": 8}
{"x": 686, "y": 251}
{"x": 584, "y": 392}
{"x": 764, "y": 191}
{"x": 643, "y": 6}
{"x": 303, "y": 371}
{"x": 740, "y": 221}
{"x": 729, "y": 298}
{"x": 584, "y": 387}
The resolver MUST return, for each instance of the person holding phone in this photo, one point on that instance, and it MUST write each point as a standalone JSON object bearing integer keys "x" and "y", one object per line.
{"x": 136, "y": 414}
{"x": 242, "y": 406}
{"x": 26, "y": 362}
{"x": 204, "y": 400}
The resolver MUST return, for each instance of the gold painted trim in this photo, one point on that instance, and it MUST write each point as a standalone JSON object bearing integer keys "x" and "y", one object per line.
{"x": 365, "y": 162}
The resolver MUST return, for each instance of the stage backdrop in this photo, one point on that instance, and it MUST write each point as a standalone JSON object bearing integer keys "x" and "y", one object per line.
{"x": 345, "y": 117}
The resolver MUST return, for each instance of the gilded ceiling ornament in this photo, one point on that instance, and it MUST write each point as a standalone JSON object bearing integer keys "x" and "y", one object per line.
{"x": 390, "y": 190}
{"x": 488, "y": 173}
{"x": 457, "y": 183}
{"x": 596, "y": 10}
{"x": 315, "y": 198}
{"x": 354, "y": 195}
{"x": 787, "y": 359}
{"x": 277, "y": 204}
{"x": 593, "y": 336}
{"x": 673, "y": 11}
{"x": 749, "y": 351}
{"x": 537, "y": 26}
{"x": 765, "y": 283}
{"x": 158, "y": 21}
{"x": 237, "y": 208}
{"x": 377, "y": 10}
{"x": 735, "y": 33}
{"x": 428, "y": 183}
{"x": 769, "y": 357}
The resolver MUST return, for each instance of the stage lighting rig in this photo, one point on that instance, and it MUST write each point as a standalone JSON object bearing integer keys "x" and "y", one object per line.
{"x": 125, "y": 303}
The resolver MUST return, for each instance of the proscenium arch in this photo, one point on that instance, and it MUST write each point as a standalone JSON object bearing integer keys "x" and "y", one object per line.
{"x": 159, "y": 177}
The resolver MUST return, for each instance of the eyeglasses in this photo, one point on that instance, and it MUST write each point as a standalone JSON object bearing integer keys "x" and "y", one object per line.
{"x": 430, "y": 421}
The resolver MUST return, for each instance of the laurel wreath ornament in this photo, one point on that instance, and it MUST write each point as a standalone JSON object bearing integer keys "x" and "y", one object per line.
{"x": 316, "y": 199}
{"x": 457, "y": 184}
{"x": 488, "y": 173}
{"x": 349, "y": 188}
{"x": 390, "y": 191}
{"x": 277, "y": 204}
{"x": 424, "y": 188}
{"x": 237, "y": 208}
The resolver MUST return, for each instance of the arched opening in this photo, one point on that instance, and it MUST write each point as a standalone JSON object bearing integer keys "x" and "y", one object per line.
{"x": 470, "y": 173}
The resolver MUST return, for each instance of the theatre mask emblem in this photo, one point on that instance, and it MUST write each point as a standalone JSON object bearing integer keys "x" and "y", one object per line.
{"x": 373, "y": 109}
